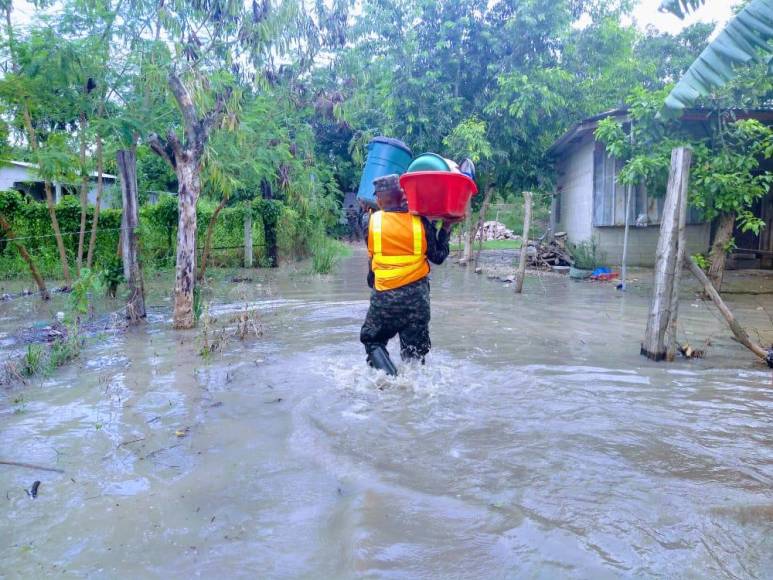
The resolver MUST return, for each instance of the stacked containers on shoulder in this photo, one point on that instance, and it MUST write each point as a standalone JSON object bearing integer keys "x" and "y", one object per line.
{"x": 385, "y": 157}
{"x": 436, "y": 189}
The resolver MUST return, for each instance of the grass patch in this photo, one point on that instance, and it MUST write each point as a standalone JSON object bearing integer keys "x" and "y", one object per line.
{"x": 326, "y": 253}
{"x": 494, "y": 245}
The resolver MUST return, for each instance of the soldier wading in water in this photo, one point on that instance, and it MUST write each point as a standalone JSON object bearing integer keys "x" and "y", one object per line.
{"x": 399, "y": 245}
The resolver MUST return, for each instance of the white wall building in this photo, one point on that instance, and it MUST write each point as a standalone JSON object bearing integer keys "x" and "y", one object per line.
{"x": 24, "y": 177}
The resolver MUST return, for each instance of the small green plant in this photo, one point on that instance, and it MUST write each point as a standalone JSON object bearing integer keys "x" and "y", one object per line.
{"x": 197, "y": 307}
{"x": 325, "y": 254}
{"x": 84, "y": 287}
{"x": 585, "y": 255}
{"x": 112, "y": 275}
{"x": 32, "y": 360}
{"x": 703, "y": 262}
{"x": 21, "y": 405}
{"x": 64, "y": 350}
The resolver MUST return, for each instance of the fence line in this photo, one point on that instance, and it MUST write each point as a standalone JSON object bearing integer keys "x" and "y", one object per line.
{"x": 62, "y": 234}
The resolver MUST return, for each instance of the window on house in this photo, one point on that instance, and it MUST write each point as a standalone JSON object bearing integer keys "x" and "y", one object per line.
{"x": 609, "y": 196}
{"x": 558, "y": 206}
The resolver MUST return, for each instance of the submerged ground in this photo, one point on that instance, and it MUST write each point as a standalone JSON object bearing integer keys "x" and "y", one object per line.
{"x": 536, "y": 442}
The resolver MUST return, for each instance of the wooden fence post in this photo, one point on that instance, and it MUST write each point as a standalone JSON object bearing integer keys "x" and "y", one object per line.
{"x": 523, "y": 254}
{"x": 248, "y": 236}
{"x": 127, "y": 167}
{"x": 681, "y": 250}
{"x": 666, "y": 265}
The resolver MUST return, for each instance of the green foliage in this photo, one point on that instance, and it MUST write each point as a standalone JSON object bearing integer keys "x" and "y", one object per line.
{"x": 468, "y": 139}
{"x": 326, "y": 253}
{"x": 726, "y": 179}
{"x": 87, "y": 284}
{"x": 111, "y": 275}
{"x": 745, "y": 40}
{"x": 32, "y": 361}
{"x": 704, "y": 263}
{"x": 64, "y": 350}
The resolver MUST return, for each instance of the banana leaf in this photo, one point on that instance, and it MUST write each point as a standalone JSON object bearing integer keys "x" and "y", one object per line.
{"x": 745, "y": 40}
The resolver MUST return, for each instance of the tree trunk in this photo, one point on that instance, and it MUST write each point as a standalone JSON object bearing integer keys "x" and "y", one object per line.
{"x": 97, "y": 202}
{"x": 248, "y": 236}
{"x": 523, "y": 254}
{"x": 188, "y": 176}
{"x": 84, "y": 195}
{"x": 33, "y": 141}
{"x": 481, "y": 219}
{"x": 185, "y": 158}
{"x": 741, "y": 335}
{"x": 718, "y": 254}
{"x": 208, "y": 241}
{"x": 269, "y": 228}
{"x": 127, "y": 167}
{"x": 11, "y": 236}
{"x": 654, "y": 344}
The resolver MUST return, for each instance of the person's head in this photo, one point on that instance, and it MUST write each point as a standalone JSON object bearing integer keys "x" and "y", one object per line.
{"x": 389, "y": 194}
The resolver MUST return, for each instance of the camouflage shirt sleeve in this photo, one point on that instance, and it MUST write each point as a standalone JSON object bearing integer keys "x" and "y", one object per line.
{"x": 437, "y": 242}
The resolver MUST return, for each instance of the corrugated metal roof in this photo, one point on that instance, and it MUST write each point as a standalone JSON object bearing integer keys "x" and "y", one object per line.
{"x": 28, "y": 165}
{"x": 690, "y": 115}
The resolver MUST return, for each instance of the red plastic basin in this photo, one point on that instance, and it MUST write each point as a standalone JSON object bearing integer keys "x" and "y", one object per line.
{"x": 438, "y": 194}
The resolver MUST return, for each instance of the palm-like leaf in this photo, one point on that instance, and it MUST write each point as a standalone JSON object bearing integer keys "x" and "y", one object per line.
{"x": 746, "y": 39}
{"x": 680, "y": 7}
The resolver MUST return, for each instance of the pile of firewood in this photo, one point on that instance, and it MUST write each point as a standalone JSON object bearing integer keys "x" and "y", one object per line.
{"x": 549, "y": 253}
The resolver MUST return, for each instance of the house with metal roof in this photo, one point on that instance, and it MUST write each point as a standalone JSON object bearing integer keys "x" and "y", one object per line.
{"x": 25, "y": 178}
{"x": 590, "y": 204}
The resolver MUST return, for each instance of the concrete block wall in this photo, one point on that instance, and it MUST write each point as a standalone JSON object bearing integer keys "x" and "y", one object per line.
{"x": 576, "y": 183}
{"x": 643, "y": 243}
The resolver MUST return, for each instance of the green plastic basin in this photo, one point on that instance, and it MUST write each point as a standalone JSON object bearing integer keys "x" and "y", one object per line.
{"x": 428, "y": 162}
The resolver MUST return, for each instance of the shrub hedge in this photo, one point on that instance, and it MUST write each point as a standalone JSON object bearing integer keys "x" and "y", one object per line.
{"x": 158, "y": 232}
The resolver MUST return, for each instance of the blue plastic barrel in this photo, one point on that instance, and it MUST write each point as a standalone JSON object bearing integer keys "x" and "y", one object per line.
{"x": 385, "y": 156}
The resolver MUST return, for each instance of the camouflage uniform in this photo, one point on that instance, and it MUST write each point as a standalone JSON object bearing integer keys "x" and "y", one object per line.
{"x": 405, "y": 310}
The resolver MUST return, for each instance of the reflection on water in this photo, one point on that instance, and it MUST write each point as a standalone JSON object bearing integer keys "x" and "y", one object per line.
{"x": 535, "y": 442}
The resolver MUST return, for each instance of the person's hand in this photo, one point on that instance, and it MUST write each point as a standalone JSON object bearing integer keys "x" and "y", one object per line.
{"x": 448, "y": 224}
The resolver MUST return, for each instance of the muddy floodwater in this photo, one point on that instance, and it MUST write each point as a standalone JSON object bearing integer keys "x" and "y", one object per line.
{"x": 535, "y": 443}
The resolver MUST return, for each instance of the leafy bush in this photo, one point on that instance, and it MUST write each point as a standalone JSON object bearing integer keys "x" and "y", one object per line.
{"x": 325, "y": 254}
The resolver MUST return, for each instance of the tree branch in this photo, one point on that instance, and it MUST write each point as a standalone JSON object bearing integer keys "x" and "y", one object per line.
{"x": 187, "y": 108}
{"x": 212, "y": 118}
{"x": 163, "y": 149}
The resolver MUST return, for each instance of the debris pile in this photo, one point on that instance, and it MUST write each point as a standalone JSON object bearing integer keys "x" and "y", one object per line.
{"x": 494, "y": 230}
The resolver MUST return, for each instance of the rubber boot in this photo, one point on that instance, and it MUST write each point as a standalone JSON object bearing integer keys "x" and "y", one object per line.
{"x": 379, "y": 359}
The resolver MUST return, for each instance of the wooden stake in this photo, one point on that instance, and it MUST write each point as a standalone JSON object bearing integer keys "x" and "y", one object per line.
{"x": 654, "y": 345}
{"x": 127, "y": 166}
{"x": 681, "y": 249}
{"x": 481, "y": 219}
{"x": 521, "y": 274}
{"x": 740, "y": 334}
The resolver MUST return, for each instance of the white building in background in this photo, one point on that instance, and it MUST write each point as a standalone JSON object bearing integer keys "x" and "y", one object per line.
{"x": 590, "y": 204}
{"x": 24, "y": 177}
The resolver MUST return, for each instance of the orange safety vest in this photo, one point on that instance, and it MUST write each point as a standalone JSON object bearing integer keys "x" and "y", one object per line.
{"x": 398, "y": 249}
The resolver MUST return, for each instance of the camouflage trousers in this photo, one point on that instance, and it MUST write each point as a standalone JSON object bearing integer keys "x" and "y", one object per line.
{"x": 403, "y": 311}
